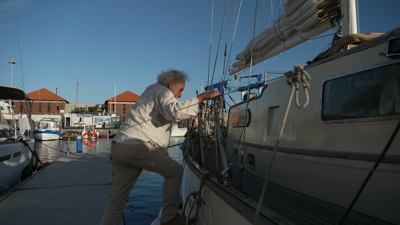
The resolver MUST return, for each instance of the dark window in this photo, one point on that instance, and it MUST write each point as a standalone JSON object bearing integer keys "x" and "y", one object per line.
{"x": 48, "y": 108}
{"x": 369, "y": 93}
{"x": 40, "y": 108}
{"x": 20, "y": 108}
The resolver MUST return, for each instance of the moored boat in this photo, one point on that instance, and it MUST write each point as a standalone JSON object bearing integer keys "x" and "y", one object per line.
{"x": 47, "y": 129}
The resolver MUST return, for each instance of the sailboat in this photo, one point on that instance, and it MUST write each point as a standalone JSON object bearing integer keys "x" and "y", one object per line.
{"x": 333, "y": 159}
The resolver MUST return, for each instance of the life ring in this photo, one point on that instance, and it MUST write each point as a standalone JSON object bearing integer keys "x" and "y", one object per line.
{"x": 92, "y": 133}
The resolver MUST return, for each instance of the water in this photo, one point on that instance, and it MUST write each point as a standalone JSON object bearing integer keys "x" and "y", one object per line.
{"x": 145, "y": 199}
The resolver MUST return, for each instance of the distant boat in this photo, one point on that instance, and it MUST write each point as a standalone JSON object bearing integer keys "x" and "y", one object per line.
{"x": 178, "y": 131}
{"x": 47, "y": 129}
{"x": 16, "y": 160}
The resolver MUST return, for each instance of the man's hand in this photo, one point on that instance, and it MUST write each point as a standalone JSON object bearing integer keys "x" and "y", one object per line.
{"x": 208, "y": 95}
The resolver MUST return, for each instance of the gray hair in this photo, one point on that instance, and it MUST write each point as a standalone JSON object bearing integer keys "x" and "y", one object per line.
{"x": 165, "y": 77}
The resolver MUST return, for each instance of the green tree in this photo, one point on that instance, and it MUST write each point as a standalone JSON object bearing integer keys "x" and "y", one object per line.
{"x": 93, "y": 109}
{"x": 78, "y": 110}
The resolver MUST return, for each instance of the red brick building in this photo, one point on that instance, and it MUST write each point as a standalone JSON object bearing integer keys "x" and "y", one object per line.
{"x": 44, "y": 102}
{"x": 123, "y": 101}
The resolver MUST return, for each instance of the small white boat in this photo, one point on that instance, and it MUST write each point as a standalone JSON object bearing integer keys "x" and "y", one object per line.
{"x": 178, "y": 131}
{"x": 47, "y": 129}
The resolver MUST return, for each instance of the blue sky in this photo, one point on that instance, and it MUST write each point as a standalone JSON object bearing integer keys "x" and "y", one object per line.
{"x": 130, "y": 42}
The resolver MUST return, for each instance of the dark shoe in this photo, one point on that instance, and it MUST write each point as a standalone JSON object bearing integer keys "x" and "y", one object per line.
{"x": 178, "y": 220}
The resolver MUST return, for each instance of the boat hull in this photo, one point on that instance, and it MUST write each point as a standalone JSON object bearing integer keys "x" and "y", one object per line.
{"x": 14, "y": 157}
{"x": 46, "y": 135}
{"x": 213, "y": 203}
{"x": 178, "y": 132}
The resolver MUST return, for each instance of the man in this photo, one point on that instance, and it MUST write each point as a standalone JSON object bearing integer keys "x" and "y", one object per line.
{"x": 142, "y": 141}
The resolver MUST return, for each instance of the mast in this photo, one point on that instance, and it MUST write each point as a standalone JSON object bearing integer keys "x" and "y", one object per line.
{"x": 349, "y": 21}
{"x": 77, "y": 84}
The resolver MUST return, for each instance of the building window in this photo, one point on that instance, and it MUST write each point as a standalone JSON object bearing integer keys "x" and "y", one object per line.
{"x": 124, "y": 107}
{"x": 20, "y": 108}
{"x": 48, "y": 107}
{"x": 58, "y": 108}
{"x": 40, "y": 108}
{"x": 369, "y": 93}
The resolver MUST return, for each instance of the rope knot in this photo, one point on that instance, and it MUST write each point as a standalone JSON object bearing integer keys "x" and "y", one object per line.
{"x": 294, "y": 77}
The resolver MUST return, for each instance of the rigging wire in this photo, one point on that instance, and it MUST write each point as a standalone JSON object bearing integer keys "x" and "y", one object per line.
{"x": 260, "y": 13}
{"x": 234, "y": 33}
{"x": 209, "y": 50}
{"x": 219, "y": 42}
{"x": 20, "y": 57}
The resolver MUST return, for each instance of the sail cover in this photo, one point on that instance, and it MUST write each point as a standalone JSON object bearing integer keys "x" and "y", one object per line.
{"x": 299, "y": 16}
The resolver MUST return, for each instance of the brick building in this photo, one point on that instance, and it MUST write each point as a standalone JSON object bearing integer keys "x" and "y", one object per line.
{"x": 123, "y": 101}
{"x": 44, "y": 102}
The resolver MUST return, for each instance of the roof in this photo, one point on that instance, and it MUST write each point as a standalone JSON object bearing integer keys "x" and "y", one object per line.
{"x": 126, "y": 96}
{"x": 45, "y": 95}
{"x": 12, "y": 93}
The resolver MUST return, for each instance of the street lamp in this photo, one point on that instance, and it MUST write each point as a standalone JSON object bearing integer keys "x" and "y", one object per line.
{"x": 12, "y": 62}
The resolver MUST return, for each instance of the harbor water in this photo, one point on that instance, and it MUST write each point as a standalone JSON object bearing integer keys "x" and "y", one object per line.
{"x": 145, "y": 199}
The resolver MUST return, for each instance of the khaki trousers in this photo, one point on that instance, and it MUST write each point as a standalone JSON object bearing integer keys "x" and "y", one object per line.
{"x": 128, "y": 162}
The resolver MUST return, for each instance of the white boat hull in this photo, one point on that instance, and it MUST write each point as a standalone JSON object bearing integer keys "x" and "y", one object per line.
{"x": 213, "y": 203}
{"x": 41, "y": 136}
{"x": 178, "y": 132}
{"x": 15, "y": 157}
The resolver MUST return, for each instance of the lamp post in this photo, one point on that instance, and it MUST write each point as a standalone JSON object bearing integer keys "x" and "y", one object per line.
{"x": 12, "y": 62}
{"x": 115, "y": 98}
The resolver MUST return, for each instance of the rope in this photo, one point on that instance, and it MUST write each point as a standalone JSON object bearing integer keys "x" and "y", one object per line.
{"x": 26, "y": 144}
{"x": 389, "y": 143}
{"x": 240, "y": 179}
{"x": 294, "y": 77}
{"x": 297, "y": 75}
{"x": 272, "y": 160}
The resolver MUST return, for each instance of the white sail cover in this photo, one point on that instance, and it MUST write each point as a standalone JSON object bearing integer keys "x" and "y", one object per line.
{"x": 299, "y": 16}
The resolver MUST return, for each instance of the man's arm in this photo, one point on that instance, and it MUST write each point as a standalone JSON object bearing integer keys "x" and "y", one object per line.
{"x": 207, "y": 95}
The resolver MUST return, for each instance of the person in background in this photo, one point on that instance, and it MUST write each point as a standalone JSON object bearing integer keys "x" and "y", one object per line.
{"x": 142, "y": 142}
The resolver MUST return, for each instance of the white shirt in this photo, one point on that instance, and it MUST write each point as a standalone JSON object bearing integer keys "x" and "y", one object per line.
{"x": 151, "y": 117}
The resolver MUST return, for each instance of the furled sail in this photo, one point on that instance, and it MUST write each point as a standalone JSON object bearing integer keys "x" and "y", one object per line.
{"x": 300, "y": 16}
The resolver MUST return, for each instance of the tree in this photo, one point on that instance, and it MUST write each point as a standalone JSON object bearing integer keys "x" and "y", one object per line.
{"x": 94, "y": 109}
{"x": 78, "y": 110}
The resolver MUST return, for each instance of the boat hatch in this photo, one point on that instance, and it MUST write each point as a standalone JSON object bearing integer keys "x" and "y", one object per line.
{"x": 392, "y": 49}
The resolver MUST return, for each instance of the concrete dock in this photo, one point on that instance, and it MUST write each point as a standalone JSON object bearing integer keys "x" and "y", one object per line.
{"x": 74, "y": 189}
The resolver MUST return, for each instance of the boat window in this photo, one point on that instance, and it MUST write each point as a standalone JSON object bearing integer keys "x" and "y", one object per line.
{"x": 370, "y": 93}
{"x": 45, "y": 125}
